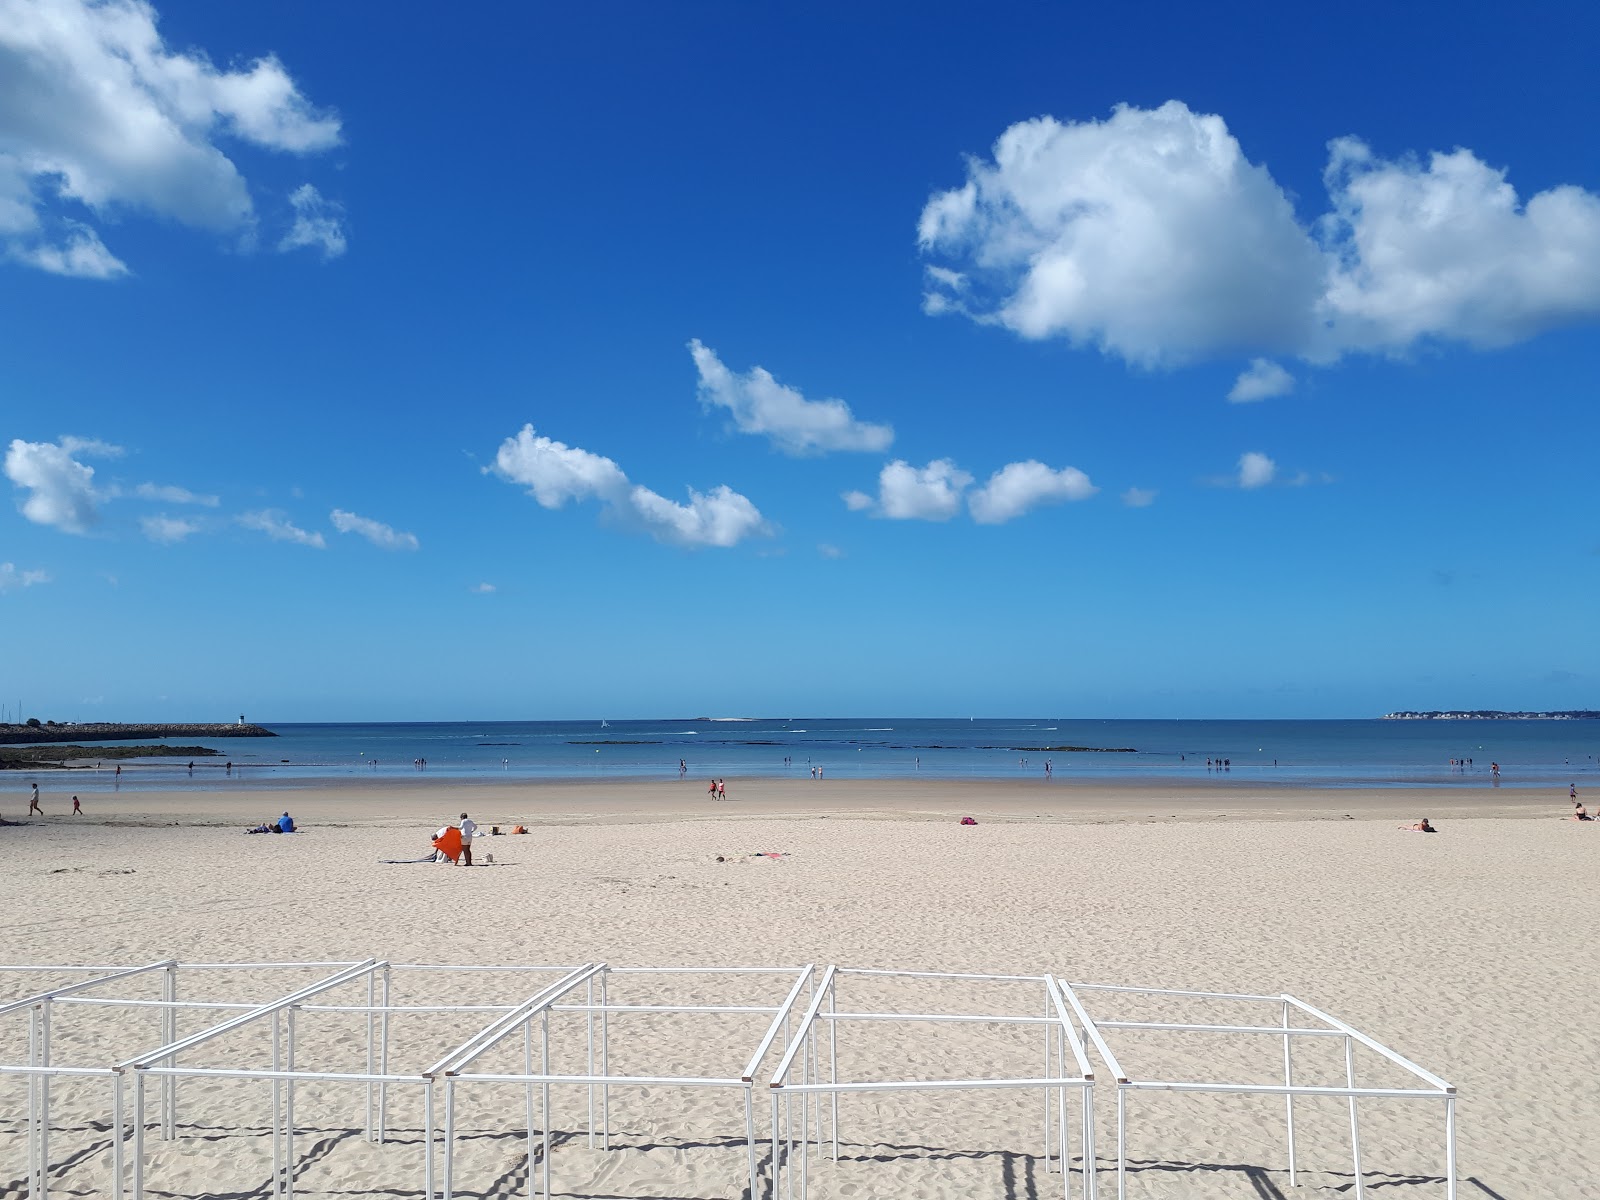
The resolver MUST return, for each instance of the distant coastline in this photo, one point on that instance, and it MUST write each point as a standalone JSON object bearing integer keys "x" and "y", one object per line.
{"x": 111, "y": 731}
{"x": 1494, "y": 714}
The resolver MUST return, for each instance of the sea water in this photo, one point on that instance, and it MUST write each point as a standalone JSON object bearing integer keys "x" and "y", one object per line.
{"x": 1359, "y": 753}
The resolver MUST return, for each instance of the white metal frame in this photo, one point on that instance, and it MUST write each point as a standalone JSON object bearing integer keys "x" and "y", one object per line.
{"x": 803, "y": 1058}
{"x": 1291, "y": 1023}
{"x": 443, "y": 1075}
{"x": 798, "y": 1021}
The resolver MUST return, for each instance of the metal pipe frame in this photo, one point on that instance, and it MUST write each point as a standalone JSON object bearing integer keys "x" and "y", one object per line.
{"x": 798, "y": 1077}
{"x": 1331, "y": 1026}
{"x": 1055, "y": 1079}
{"x": 40, "y": 1070}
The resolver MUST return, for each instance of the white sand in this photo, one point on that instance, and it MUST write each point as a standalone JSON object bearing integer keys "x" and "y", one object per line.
{"x": 1470, "y": 952}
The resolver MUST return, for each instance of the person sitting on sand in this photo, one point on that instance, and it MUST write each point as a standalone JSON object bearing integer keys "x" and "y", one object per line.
{"x": 1579, "y": 812}
{"x": 286, "y": 824}
{"x": 1421, "y": 826}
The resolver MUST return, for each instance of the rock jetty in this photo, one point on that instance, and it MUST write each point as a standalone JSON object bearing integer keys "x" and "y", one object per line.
{"x": 112, "y": 731}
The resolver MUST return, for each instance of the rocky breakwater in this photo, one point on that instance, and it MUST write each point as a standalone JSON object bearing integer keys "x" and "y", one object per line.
{"x": 34, "y": 733}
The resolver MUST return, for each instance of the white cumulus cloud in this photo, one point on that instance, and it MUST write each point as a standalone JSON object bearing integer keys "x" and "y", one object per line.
{"x": 1152, "y": 236}
{"x": 555, "y": 473}
{"x": 721, "y": 517}
{"x": 907, "y": 493}
{"x": 1262, "y": 380}
{"x": 60, "y": 490}
{"x": 11, "y": 579}
{"x": 1446, "y": 250}
{"x": 168, "y": 530}
{"x": 1020, "y": 486}
{"x": 383, "y": 536}
{"x": 317, "y": 224}
{"x": 100, "y": 117}
{"x": 279, "y": 528}
{"x": 1255, "y": 470}
{"x": 761, "y": 405}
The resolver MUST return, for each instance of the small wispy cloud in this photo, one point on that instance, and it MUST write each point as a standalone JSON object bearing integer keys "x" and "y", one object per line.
{"x": 761, "y": 405}
{"x": 168, "y": 530}
{"x": 385, "y": 537}
{"x": 279, "y": 528}
{"x": 11, "y": 579}
{"x": 482, "y": 589}
{"x": 829, "y": 550}
{"x": 318, "y": 224}
{"x": 168, "y": 494}
{"x": 1136, "y": 497}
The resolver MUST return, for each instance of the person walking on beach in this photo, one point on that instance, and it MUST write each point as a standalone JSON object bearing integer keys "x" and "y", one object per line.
{"x": 33, "y": 802}
{"x": 468, "y": 828}
{"x": 711, "y": 789}
{"x": 722, "y": 792}
{"x": 77, "y": 808}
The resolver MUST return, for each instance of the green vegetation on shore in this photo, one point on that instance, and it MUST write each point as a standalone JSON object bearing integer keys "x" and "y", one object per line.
{"x": 16, "y": 758}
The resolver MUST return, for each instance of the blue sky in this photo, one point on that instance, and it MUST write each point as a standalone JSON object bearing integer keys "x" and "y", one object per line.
{"x": 642, "y": 359}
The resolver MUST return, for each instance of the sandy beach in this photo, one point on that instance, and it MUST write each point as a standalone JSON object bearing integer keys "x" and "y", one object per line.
{"x": 1467, "y": 951}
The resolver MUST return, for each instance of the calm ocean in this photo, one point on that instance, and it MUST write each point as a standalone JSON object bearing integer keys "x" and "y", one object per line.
{"x": 1365, "y": 753}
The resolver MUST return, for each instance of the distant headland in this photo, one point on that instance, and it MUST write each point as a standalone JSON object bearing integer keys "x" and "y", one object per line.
{"x": 1494, "y": 714}
{"x": 33, "y": 732}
